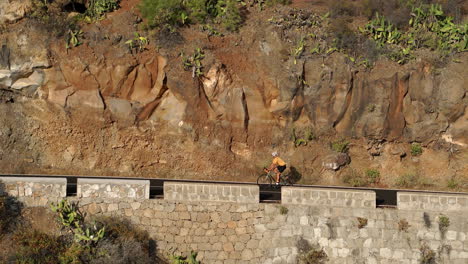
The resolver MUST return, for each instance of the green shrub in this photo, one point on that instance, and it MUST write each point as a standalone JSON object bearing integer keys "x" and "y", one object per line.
{"x": 452, "y": 183}
{"x": 69, "y": 213}
{"x": 444, "y": 223}
{"x": 138, "y": 43}
{"x": 192, "y": 259}
{"x": 283, "y": 210}
{"x": 355, "y": 178}
{"x": 194, "y": 63}
{"x": 373, "y": 176}
{"x": 340, "y": 145}
{"x": 172, "y": 13}
{"x": 302, "y": 136}
{"x": 97, "y": 8}
{"x": 416, "y": 149}
{"x": 428, "y": 27}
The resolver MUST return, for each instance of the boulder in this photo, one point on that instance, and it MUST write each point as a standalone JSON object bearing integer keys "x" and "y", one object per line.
{"x": 119, "y": 108}
{"x": 14, "y": 10}
{"x": 86, "y": 98}
{"x": 35, "y": 80}
{"x": 335, "y": 161}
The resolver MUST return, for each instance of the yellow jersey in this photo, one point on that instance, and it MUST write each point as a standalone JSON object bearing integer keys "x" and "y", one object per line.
{"x": 278, "y": 161}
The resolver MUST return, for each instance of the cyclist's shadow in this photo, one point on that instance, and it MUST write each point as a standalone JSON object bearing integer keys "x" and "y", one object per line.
{"x": 293, "y": 175}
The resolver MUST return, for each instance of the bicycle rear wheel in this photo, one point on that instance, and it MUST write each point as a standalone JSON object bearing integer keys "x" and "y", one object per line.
{"x": 285, "y": 181}
{"x": 264, "y": 179}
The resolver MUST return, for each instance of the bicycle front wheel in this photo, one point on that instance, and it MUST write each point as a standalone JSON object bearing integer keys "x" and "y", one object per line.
{"x": 264, "y": 179}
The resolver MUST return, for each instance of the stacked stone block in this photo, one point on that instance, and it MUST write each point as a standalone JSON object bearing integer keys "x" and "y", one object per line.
{"x": 432, "y": 202}
{"x": 328, "y": 197}
{"x": 108, "y": 188}
{"x": 202, "y": 192}
{"x": 33, "y": 187}
{"x": 241, "y": 232}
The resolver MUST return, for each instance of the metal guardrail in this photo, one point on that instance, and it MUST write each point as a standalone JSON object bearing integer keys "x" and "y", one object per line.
{"x": 385, "y": 197}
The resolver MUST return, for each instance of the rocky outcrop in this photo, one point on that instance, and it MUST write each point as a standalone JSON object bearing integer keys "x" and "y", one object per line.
{"x": 252, "y": 94}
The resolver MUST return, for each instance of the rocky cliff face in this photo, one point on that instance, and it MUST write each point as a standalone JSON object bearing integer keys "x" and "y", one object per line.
{"x": 103, "y": 109}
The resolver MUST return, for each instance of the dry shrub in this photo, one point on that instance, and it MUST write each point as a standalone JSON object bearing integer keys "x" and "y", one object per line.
{"x": 121, "y": 251}
{"x": 396, "y": 11}
{"x": 122, "y": 229}
{"x": 339, "y": 8}
{"x": 37, "y": 247}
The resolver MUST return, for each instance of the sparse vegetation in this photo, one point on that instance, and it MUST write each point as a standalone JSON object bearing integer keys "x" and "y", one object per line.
{"x": 176, "y": 13}
{"x": 452, "y": 183}
{"x": 416, "y": 149}
{"x": 403, "y": 225}
{"x": 428, "y": 28}
{"x": 86, "y": 242}
{"x": 73, "y": 38}
{"x": 371, "y": 108}
{"x": 354, "y": 178}
{"x": 283, "y": 210}
{"x": 362, "y": 222}
{"x": 357, "y": 178}
{"x": 194, "y": 63}
{"x": 297, "y": 51}
{"x": 340, "y": 145}
{"x": 97, "y": 8}
{"x": 407, "y": 180}
{"x": 302, "y": 136}
{"x": 138, "y": 43}
{"x": 372, "y": 176}
{"x": 315, "y": 257}
{"x": 428, "y": 256}
{"x": 444, "y": 223}
{"x": 191, "y": 259}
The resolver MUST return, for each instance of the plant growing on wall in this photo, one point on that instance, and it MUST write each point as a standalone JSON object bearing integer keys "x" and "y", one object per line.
{"x": 362, "y": 222}
{"x": 191, "y": 259}
{"x": 403, "y": 225}
{"x": 283, "y": 210}
{"x": 444, "y": 223}
{"x": 428, "y": 255}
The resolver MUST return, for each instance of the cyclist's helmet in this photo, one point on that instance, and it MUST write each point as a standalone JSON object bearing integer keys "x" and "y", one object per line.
{"x": 274, "y": 153}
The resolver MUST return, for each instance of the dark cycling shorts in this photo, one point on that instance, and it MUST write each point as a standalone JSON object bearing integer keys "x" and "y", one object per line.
{"x": 281, "y": 168}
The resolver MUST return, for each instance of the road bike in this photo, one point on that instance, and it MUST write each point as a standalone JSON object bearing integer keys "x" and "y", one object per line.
{"x": 269, "y": 177}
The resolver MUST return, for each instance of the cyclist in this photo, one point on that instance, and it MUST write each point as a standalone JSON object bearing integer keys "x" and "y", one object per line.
{"x": 277, "y": 165}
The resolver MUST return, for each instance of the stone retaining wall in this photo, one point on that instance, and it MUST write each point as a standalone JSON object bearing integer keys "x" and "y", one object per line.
{"x": 33, "y": 187}
{"x": 344, "y": 223}
{"x": 108, "y": 188}
{"x": 432, "y": 202}
{"x": 272, "y": 233}
{"x": 186, "y": 191}
{"x": 328, "y": 197}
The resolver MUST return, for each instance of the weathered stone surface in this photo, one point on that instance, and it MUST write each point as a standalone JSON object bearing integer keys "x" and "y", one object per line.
{"x": 324, "y": 197}
{"x": 432, "y": 202}
{"x": 180, "y": 191}
{"x": 335, "y": 161}
{"x": 51, "y": 188}
{"x": 86, "y": 98}
{"x": 106, "y": 188}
